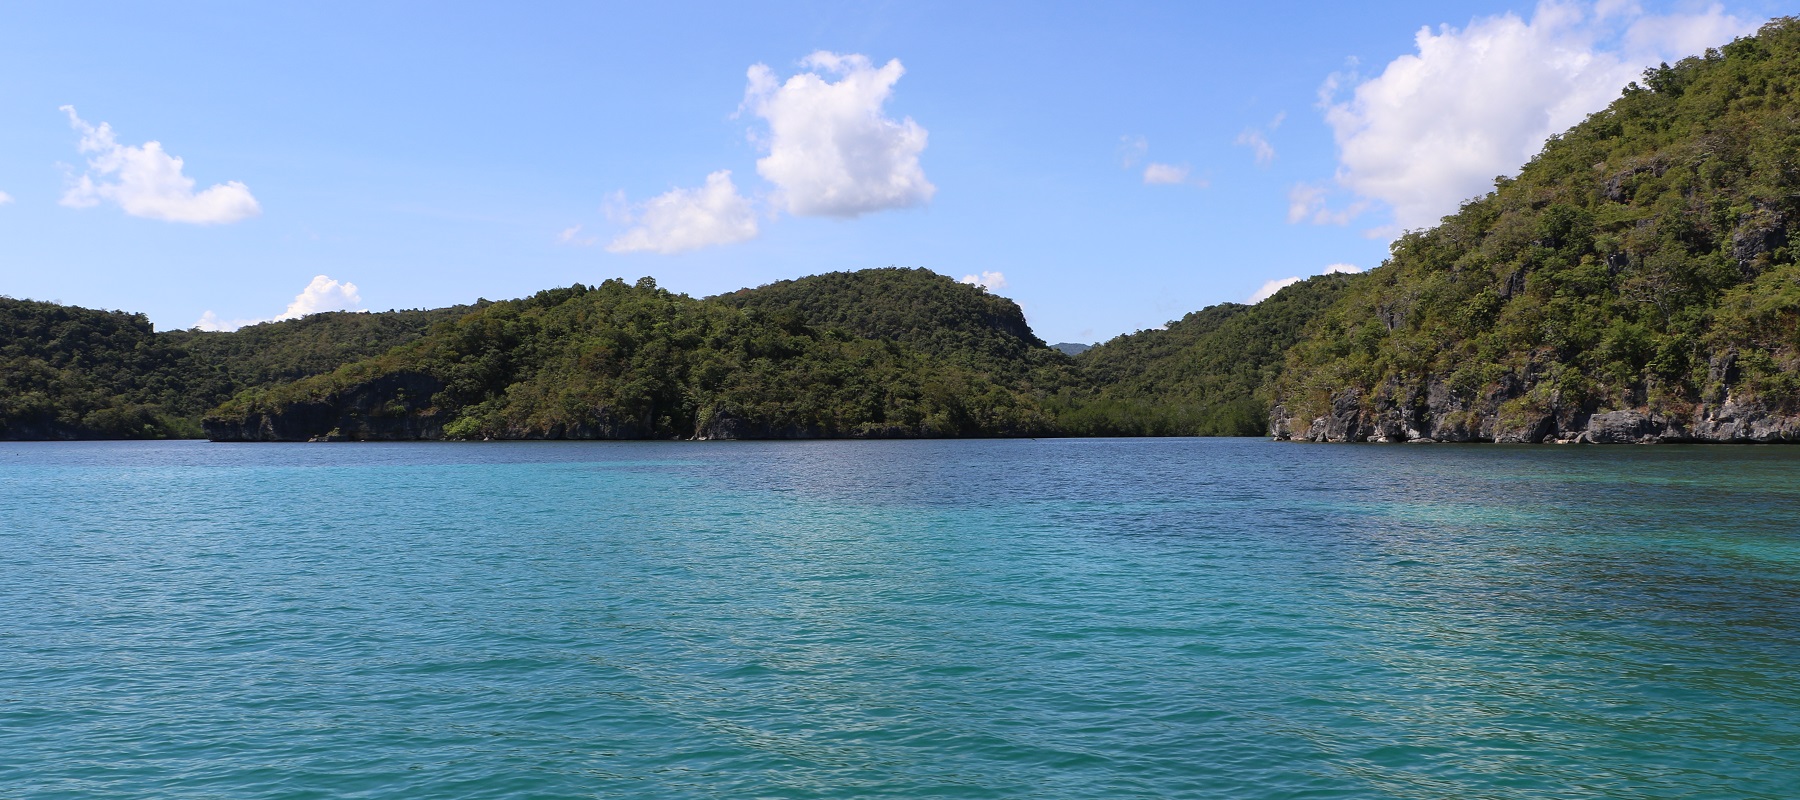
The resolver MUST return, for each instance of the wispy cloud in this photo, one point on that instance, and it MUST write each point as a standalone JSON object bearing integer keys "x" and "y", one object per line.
{"x": 1132, "y": 150}
{"x": 572, "y": 236}
{"x": 1257, "y": 139}
{"x": 1158, "y": 174}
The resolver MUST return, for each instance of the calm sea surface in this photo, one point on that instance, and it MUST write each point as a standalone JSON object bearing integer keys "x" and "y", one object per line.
{"x": 1009, "y": 619}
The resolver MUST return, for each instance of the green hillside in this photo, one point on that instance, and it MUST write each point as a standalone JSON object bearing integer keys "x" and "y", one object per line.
{"x": 1634, "y": 282}
{"x": 914, "y": 307}
{"x": 77, "y": 373}
{"x": 68, "y": 373}
{"x": 1202, "y": 376}
{"x": 635, "y": 361}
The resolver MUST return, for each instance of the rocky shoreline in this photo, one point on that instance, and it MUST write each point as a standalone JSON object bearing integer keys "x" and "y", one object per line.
{"x": 1394, "y": 416}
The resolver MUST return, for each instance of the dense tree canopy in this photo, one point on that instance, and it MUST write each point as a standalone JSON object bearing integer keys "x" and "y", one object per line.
{"x": 1204, "y": 375}
{"x": 77, "y": 373}
{"x": 635, "y": 361}
{"x": 1640, "y": 261}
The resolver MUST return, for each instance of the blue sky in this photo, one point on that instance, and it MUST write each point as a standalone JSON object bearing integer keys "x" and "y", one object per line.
{"x": 1109, "y": 166}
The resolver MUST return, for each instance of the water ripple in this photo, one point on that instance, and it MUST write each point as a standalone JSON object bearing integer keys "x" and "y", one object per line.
{"x": 1097, "y": 618}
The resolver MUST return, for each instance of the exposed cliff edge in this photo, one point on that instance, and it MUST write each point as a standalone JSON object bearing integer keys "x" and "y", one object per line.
{"x": 1397, "y": 414}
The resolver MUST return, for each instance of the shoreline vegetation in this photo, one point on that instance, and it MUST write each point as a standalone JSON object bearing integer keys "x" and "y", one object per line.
{"x": 1634, "y": 283}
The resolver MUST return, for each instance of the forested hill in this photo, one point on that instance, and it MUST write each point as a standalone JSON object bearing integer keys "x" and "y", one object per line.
{"x": 77, "y": 373}
{"x": 1204, "y": 375}
{"x": 276, "y": 352}
{"x": 70, "y": 373}
{"x": 872, "y": 353}
{"x": 915, "y": 307}
{"x": 623, "y": 361}
{"x": 1635, "y": 282}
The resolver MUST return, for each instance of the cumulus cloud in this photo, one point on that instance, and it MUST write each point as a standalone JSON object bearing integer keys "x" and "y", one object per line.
{"x": 147, "y": 182}
{"x": 1269, "y": 289}
{"x": 831, "y": 150}
{"x": 1257, "y": 139}
{"x": 990, "y": 280}
{"x": 322, "y": 294}
{"x": 687, "y": 219}
{"x": 1435, "y": 127}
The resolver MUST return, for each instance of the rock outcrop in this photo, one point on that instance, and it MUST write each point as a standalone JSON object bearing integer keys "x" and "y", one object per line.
{"x": 390, "y": 408}
{"x": 1437, "y": 414}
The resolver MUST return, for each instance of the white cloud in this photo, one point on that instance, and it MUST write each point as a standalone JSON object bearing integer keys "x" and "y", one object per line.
{"x": 210, "y": 321}
{"x": 686, "y": 219}
{"x": 5, "y": 198}
{"x": 1436, "y": 126}
{"x": 1165, "y": 173}
{"x": 991, "y": 280}
{"x": 322, "y": 294}
{"x": 831, "y": 151}
{"x": 146, "y": 182}
{"x": 572, "y": 236}
{"x": 1158, "y": 174}
{"x": 1269, "y": 289}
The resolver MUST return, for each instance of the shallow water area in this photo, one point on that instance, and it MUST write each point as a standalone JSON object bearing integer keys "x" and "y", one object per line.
{"x": 985, "y": 619}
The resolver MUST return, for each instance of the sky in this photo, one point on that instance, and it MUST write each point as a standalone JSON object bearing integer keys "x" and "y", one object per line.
{"x": 1111, "y": 167}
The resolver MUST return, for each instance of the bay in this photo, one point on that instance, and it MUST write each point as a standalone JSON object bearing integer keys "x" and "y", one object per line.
{"x": 982, "y": 619}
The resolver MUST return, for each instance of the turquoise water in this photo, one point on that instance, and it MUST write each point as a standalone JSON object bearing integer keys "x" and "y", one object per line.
{"x": 1006, "y": 619}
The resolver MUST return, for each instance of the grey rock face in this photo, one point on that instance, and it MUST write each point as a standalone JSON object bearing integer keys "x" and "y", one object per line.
{"x": 1398, "y": 413}
{"x": 390, "y": 408}
{"x": 1624, "y": 427}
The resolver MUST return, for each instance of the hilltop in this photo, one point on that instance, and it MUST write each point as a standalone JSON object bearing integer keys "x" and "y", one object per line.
{"x": 876, "y": 353}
